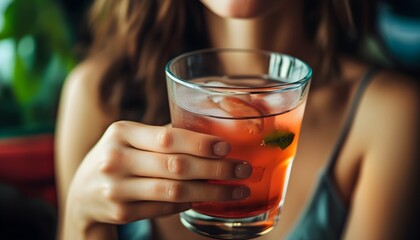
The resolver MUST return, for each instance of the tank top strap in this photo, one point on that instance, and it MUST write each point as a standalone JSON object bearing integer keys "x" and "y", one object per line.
{"x": 368, "y": 76}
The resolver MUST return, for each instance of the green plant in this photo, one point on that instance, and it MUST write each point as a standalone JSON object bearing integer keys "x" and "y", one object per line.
{"x": 36, "y": 54}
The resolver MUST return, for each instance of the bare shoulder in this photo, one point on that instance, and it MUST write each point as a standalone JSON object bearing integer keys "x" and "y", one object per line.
{"x": 81, "y": 111}
{"x": 390, "y": 108}
{"x": 386, "y": 128}
{"x": 84, "y": 79}
{"x": 388, "y": 83}
{"x": 393, "y": 98}
{"x": 82, "y": 86}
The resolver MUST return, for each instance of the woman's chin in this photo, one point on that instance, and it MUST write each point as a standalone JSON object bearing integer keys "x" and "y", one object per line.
{"x": 241, "y": 15}
{"x": 241, "y": 9}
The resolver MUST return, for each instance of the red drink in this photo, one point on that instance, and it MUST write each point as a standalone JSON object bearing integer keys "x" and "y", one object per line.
{"x": 254, "y": 100}
{"x": 262, "y": 129}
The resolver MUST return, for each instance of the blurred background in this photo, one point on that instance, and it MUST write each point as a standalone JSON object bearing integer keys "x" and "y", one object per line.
{"x": 42, "y": 40}
{"x": 38, "y": 47}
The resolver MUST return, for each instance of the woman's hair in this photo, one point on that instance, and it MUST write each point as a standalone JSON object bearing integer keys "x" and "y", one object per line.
{"x": 137, "y": 37}
{"x": 338, "y": 26}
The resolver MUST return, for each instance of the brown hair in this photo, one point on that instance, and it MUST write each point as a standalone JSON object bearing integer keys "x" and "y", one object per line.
{"x": 138, "y": 37}
{"x": 338, "y": 26}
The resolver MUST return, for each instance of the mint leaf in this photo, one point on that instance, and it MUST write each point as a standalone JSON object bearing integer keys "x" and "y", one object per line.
{"x": 281, "y": 139}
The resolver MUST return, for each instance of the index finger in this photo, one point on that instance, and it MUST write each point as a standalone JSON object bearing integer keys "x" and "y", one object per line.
{"x": 166, "y": 139}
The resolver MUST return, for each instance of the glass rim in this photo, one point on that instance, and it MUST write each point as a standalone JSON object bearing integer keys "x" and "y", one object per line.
{"x": 281, "y": 86}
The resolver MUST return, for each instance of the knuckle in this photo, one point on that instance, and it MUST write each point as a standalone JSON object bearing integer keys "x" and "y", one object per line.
{"x": 110, "y": 192}
{"x": 120, "y": 215}
{"x": 221, "y": 170}
{"x": 176, "y": 164}
{"x": 111, "y": 159}
{"x": 165, "y": 137}
{"x": 201, "y": 149}
{"x": 115, "y": 129}
{"x": 174, "y": 191}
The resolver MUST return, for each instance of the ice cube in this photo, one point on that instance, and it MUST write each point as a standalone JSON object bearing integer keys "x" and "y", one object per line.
{"x": 238, "y": 107}
{"x": 216, "y": 98}
{"x": 278, "y": 102}
{"x": 191, "y": 99}
{"x": 243, "y": 109}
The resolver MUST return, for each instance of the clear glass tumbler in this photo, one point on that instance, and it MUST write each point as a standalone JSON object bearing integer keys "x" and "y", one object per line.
{"x": 255, "y": 100}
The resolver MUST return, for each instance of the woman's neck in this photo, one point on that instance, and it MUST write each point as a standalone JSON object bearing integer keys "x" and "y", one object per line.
{"x": 280, "y": 31}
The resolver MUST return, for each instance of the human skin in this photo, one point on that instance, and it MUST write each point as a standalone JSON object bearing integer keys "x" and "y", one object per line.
{"x": 102, "y": 165}
{"x": 242, "y": 9}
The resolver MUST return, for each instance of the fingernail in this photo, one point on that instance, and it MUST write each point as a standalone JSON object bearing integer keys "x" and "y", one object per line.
{"x": 243, "y": 170}
{"x": 221, "y": 148}
{"x": 241, "y": 192}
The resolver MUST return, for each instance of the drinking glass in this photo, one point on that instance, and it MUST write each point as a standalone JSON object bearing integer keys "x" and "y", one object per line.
{"x": 254, "y": 100}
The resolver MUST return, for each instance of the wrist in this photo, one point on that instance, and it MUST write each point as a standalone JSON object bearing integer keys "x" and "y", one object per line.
{"x": 77, "y": 225}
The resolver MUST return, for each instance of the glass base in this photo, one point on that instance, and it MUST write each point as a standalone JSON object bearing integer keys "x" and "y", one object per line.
{"x": 227, "y": 228}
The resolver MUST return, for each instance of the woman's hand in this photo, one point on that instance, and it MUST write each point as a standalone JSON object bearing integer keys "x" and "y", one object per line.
{"x": 138, "y": 171}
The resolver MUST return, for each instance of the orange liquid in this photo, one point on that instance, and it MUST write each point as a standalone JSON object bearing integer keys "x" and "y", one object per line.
{"x": 271, "y": 165}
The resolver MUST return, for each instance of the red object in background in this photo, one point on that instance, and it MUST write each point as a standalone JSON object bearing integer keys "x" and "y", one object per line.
{"x": 27, "y": 163}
